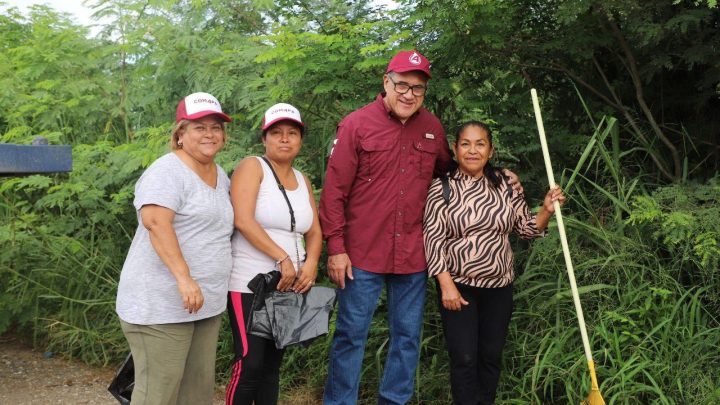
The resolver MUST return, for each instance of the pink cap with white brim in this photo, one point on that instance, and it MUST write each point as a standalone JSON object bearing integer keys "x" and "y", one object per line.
{"x": 199, "y": 105}
{"x": 281, "y": 112}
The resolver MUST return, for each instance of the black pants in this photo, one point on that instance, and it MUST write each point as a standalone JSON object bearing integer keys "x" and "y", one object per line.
{"x": 255, "y": 376}
{"x": 475, "y": 337}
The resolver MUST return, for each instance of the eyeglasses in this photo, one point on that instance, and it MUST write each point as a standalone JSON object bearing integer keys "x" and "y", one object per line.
{"x": 418, "y": 90}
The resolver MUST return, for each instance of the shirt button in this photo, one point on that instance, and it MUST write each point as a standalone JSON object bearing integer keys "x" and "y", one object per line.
{"x": 402, "y": 170}
{"x": 403, "y": 148}
{"x": 402, "y": 192}
{"x": 397, "y": 235}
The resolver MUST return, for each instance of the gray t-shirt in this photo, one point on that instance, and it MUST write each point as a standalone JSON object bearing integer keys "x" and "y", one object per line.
{"x": 147, "y": 291}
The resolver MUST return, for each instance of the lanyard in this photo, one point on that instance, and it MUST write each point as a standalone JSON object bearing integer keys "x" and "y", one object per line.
{"x": 292, "y": 213}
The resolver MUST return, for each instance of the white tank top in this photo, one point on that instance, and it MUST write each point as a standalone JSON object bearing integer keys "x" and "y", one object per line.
{"x": 272, "y": 213}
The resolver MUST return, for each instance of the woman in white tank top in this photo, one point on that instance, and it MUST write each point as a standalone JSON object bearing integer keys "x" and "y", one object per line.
{"x": 264, "y": 241}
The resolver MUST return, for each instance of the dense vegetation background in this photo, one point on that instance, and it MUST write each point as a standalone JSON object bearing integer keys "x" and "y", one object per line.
{"x": 631, "y": 99}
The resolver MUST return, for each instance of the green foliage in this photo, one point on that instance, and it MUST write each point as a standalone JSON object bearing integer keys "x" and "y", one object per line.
{"x": 628, "y": 91}
{"x": 653, "y": 65}
{"x": 68, "y": 236}
{"x": 52, "y": 76}
{"x": 684, "y": 221}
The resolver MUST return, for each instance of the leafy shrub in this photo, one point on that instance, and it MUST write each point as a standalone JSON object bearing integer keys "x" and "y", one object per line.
{"x": 684, "y": 221}
{"x": 68, "y": 236}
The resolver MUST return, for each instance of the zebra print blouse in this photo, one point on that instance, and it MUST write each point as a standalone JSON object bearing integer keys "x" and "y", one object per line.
{"x": 469, "y": 237}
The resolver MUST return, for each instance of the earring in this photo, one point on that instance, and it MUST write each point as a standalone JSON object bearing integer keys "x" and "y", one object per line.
{"x": 179, "y": 144}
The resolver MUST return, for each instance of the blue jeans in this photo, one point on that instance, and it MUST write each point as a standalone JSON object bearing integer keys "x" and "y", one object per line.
{"x": 356, "y": 305}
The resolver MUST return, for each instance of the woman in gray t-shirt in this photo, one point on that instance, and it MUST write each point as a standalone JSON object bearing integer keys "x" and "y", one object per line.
{"x": 174, "y": 282}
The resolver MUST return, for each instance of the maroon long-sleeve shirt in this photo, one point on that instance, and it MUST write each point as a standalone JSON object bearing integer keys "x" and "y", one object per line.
{"x": 377, "y": 180}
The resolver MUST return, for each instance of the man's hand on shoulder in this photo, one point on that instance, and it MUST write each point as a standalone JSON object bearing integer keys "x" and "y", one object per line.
{"x": 513, "y": 180}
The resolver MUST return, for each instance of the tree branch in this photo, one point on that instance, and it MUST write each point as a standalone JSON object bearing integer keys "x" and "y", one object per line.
{"x": 631, "y": 66}
{"x": 633, "y": 123}
{"x": 615, "y": 103}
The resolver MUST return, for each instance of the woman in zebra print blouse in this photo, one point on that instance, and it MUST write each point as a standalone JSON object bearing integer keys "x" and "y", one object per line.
{"x": 468, "y": 252}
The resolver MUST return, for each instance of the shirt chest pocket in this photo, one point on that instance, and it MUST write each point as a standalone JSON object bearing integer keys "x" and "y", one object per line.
{"x": 376, "y": 159}
{"x": 425, "y": 151}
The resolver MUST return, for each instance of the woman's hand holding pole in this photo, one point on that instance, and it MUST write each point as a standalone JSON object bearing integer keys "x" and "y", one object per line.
{"x": 594, "y": 398}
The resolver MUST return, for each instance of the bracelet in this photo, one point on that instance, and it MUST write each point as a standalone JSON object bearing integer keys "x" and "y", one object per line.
{"x": 278, "y": 262}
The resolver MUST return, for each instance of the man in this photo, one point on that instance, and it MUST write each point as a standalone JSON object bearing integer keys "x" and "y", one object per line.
{"x": 383, "y": 160}
{"x": 371, "y": 208}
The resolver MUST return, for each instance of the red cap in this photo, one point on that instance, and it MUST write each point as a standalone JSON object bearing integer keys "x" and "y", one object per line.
{"x": 406, "y": 61}
{"x": 198, "y": 105}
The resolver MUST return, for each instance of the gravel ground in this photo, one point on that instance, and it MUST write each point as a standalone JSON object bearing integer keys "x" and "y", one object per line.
{"x": 26, "y": 377}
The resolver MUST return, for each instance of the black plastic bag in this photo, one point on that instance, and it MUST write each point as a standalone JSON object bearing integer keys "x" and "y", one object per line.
{"x": 288, "y": 318}
{"x": 122, "y": 385}
{"x": 299, "y": 318}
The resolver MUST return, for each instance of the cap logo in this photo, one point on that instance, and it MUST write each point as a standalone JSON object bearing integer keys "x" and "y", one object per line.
{"x": 415, "y": 59}
{"x": 282, "y": 110}
{"x": 205, "y": 100}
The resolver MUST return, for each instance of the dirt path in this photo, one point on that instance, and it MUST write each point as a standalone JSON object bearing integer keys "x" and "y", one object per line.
{"x": 26, "y": 377}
